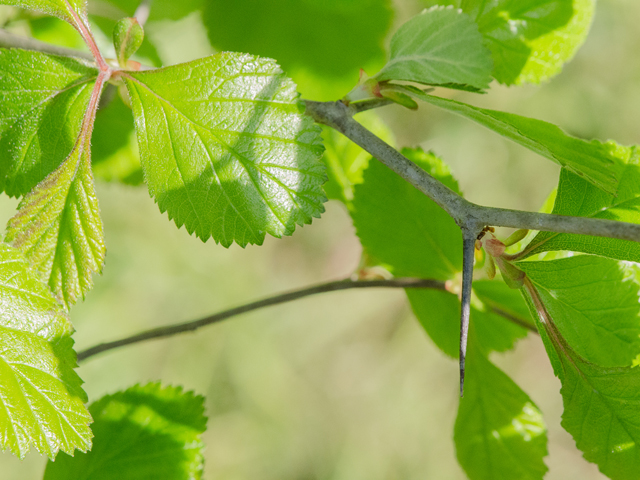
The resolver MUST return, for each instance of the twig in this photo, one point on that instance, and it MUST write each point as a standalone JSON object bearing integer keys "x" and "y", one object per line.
{"x": 170, "y": 330}
{"x": 347, "y": 284}
{"x": 9, "y": 40}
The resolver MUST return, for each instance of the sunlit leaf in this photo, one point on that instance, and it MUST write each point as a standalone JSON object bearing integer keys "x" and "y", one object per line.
{"x": 58, "y": 225}
{"x": 44, "y": 99}
{"x": 72, "y": 11}
{"x": 601, "y": 404}
{"x": 597, "y": 162}
{"x": 145, "y": 431}
{"x": 41, "y": 395}
{"x": 499, "y": 432}
{"x": 530, "y": 40}
{"x": 594, "y": 303}
{"x": 226, "y": 149}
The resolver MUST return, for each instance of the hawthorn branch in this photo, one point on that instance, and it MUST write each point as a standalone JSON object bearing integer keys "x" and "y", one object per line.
{"x": 347, "y": 284}
{"x": 470, "y": 217}
{"x": 466, "y": 214}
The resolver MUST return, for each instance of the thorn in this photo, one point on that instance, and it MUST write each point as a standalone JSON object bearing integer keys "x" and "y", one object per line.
{"x": 468, "y": 256}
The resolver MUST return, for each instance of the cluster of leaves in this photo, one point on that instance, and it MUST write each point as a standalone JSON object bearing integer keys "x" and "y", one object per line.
{"x": 226, "y": 150}
{"x": 583, "y": 299}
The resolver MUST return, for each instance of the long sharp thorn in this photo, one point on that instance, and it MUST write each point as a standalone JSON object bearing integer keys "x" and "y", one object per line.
{"x": 467, "y": 278}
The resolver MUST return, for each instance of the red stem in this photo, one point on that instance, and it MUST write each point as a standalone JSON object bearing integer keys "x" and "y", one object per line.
{"x": 87, "y": 36}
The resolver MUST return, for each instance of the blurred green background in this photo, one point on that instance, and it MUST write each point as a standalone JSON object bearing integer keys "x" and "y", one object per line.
{"x": 344, "y": 385}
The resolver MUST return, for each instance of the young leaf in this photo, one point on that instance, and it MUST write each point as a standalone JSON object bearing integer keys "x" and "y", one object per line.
{"x": 440, "y": 46}
{"x": 594, "y": 304}
{"x": 597, "y": 162}
{"x": 40, "y": 393}
{"x": 128, "y": 35}
{"x": 530, "y": 40}
{"x": 499, "y": 432}
{"x": 143, "y": 432}
{"x": 577, "y": 197}
{"x": 44, "y": 98}
{"x": 72, "y": 11}
{"x": 601, "y": 404}
{"x": 225, "y": 148}
{"x": 58, "y": 225}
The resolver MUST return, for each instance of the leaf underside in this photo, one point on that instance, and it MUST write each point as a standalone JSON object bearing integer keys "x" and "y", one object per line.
{"x": 225, "y": 148}
{"x": 499, "y": 432}
{"x": 440, "y": 46}
{"x": 598, "y": 163}
{"x": 601, "y": 404}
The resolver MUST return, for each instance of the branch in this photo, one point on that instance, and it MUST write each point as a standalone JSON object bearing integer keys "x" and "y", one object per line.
{"x": 347, "y": 284}
{"x": 466, "y": 214}
{"x": 9, "y": 40}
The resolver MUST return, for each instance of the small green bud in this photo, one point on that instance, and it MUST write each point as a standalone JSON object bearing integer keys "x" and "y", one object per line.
{"x": 127, "y": 38}
{"x": 515, "y": 237}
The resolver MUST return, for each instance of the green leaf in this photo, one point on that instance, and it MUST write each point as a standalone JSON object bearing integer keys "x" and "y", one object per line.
{"x": 58, "y": 226}
{"x": 402, "y": 227}
{"x": 598, "y": 163}
{"x": 499, "y": 298}
{"x": 530, "y": 40}
{"x": 226, "y": 149}
{"x": 72, "y": 11}
{"x": 160, "y": 9}
{"x": 412, "y": 236}
{"x": 577, "y": 197}
{"x": 346, "y": 161}
{"x": 143, "y": 432}
{"x": 40, "y": 394}
{"x": 499, "y": 432}
{"x": 594, "y": 303}
{"x": 114, "y": 149}
{"x": 128, "y": 35}
{"x": 601, "y": 404}
{"x": 439, "y": 313}
{"x": 320, "y": 44}
{"x": 440, "y": 46}
{"x": 44, "y": 98}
